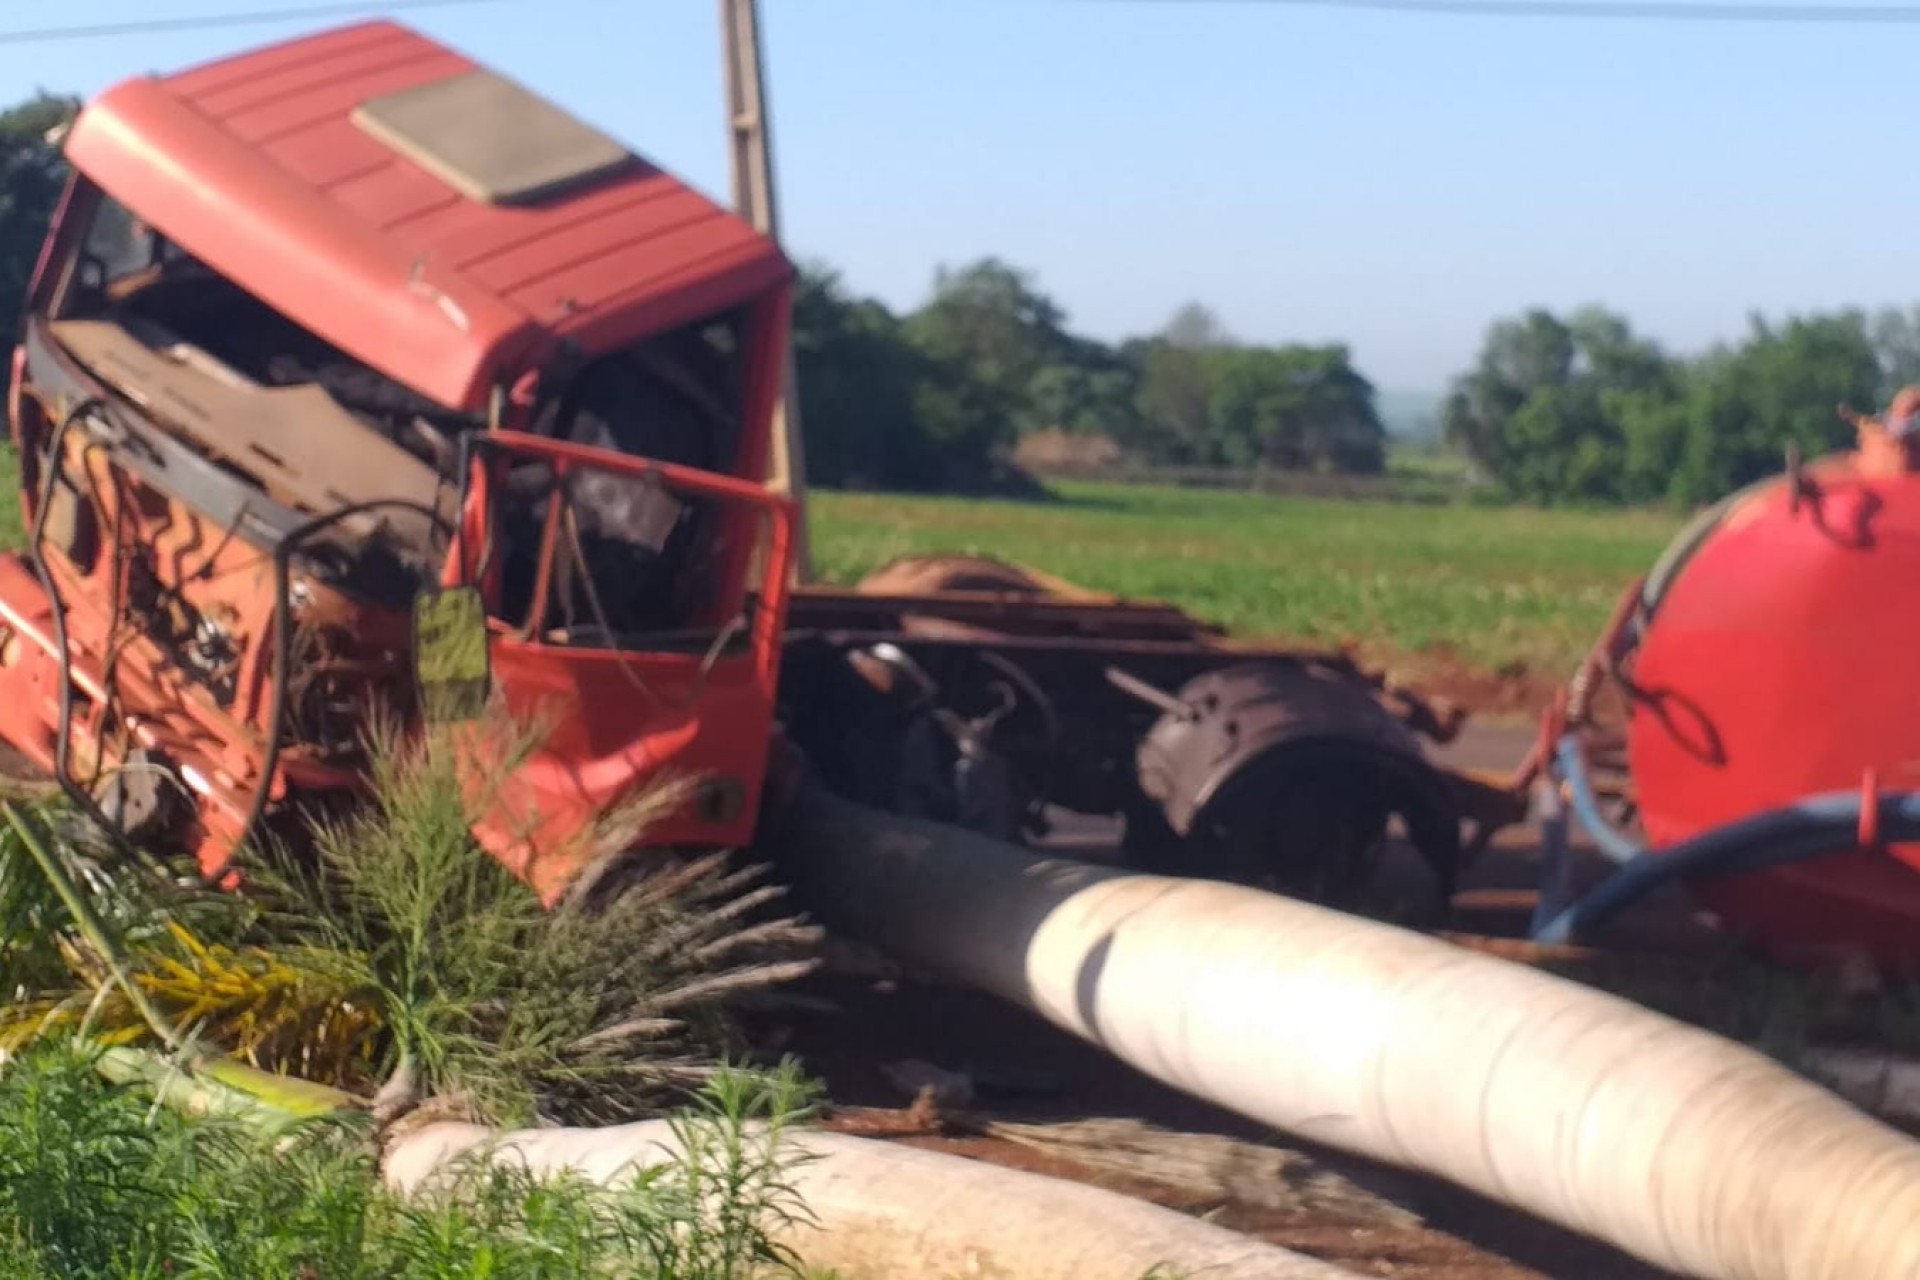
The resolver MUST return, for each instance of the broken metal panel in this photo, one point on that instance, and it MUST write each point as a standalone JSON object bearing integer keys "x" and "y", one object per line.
{"x": 293, "y": 439}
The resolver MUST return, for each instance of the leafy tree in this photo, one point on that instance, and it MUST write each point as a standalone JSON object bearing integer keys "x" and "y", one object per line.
{"x": 1896, "y": 341}
{"x": 1295, "y": 408}
{"x": 31, "y": 177}
{"x": 1582, "y": 409}
{"x": 878, "y": 409}
{"x": 1175, "y": 397}
{"x": 1779, "y": 388}
{"x": 859, "y": 381}
{"x": 1610, "y": 356}
{"x": 1561, "y": 445}
{"x": 964, "y": 419}
{"x": 1092, "y": 393}
{"x": 988, "y": 325}
{"x": 1653, "y": 427}
{"x": 1194, "y": 327}
{"x": 1518, "y": 358}
{"x": 1569, "y": 410}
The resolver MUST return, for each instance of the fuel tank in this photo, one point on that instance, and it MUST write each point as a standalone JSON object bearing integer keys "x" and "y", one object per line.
{"x": 1776, "y": 660}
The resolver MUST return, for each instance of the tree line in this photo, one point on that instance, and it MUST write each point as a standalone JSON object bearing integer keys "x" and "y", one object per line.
{"x": 1556, "y": 408}
{"x": 936, "y": 397}
{"x": 1580, "y": 408}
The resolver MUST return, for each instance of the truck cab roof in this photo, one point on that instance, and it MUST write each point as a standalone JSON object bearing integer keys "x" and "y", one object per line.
{"x": 419, "y": 211}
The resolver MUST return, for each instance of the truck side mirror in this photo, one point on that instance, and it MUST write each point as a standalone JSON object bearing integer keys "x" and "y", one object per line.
{"x": 450, "y": 661}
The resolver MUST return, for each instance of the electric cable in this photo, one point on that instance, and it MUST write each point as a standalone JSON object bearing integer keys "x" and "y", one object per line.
{"x": 230, "y": 18}
{"x": 1635, "y": 10}
{"x": 1604, "y": 10}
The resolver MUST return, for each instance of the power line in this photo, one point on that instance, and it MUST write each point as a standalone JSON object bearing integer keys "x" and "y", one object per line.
{"x": 215, "y": 21}
{"x": 1635, "y": 10}
{"x": 1617, "y": 10}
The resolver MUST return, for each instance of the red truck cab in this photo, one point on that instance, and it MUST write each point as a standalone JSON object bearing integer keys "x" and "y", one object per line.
{"x": 329, "y": 323}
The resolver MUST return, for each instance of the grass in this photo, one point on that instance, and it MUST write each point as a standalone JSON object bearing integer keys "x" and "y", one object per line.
{"x": 13, "y": 530}
{"x": 97, "y": 1184}
{"x": 1500, "y": 588}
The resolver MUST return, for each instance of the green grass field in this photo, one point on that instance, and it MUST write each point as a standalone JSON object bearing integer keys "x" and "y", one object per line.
{"x": 1499, "y": 588}
{"x": 12, "y": 532}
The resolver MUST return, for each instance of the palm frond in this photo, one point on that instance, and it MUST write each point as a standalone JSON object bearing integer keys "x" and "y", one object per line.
{"x": 394, "y": 940}
{"x": 484, "y": 992}
{"x": 292, "y": 1011}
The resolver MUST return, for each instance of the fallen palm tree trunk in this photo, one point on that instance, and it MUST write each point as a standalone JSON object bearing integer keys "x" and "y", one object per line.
{"x": 1694, "y": 1153}
{"x": 867, "y": 1210}
{"x": 875, "y": 1210}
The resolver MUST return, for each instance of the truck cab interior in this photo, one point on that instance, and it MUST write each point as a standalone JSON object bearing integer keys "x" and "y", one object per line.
{"x": 206, "y": 360}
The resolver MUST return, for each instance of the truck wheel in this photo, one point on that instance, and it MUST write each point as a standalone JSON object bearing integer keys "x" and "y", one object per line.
{"x": 1313, "y": 832}
{"x": 1288, "y": 776}
{"x": 1149, "y": 844}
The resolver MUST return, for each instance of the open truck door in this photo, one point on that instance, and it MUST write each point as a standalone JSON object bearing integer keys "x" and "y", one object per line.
{"x": 602, "y": 599}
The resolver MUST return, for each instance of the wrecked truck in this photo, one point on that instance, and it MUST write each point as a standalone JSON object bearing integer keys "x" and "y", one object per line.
{"x": 348, "y": 343}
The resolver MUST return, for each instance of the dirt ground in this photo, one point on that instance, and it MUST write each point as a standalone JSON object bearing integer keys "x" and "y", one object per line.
{"x": 1022, "y": 1069}
{"x": 1494, "y": 697}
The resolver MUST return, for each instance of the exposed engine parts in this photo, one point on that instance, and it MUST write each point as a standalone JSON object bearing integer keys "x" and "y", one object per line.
{"x": 952, "y": 768}
{"x": 206, "y": 645}
{"x": 1002, "y": 704}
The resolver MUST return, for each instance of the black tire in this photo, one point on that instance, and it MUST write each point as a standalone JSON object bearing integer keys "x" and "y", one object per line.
{"x": 1313, "y": 832}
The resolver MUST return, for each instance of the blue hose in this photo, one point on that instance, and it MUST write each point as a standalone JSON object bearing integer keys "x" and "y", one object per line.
{"x": 1556, "y": 857}
{"x": 1815, "y": 827}
{"x": 1614, "y": 844}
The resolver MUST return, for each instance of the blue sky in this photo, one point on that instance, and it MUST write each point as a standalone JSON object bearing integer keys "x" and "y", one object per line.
{"x": 1392, "y": 181}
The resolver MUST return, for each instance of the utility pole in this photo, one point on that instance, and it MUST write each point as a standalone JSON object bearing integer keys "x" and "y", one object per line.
{"x": 751, "y": 152}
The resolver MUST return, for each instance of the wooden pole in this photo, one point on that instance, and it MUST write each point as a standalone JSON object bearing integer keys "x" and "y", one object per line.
{"x": 750, "y": 150}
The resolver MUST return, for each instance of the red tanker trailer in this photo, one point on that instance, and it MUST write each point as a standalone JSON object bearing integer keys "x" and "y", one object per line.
{"x": 1758, "y": 734}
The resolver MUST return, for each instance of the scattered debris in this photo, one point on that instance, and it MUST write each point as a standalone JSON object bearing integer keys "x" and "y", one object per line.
{"x": 1208, "y": 1166}
{"x": 947, "y": 1090}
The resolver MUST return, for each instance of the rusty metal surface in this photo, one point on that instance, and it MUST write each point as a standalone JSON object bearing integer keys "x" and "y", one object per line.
{"x": 1240, "y": 713}
{"x": 1074, "y": 667}
{"x": 817, "y": 608}
{"x": 1106, "y": 647}
{"x": 297, "y": 442}
{"x": 936, "y": 572}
